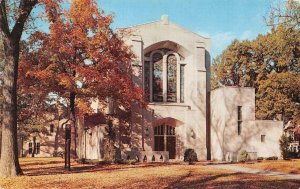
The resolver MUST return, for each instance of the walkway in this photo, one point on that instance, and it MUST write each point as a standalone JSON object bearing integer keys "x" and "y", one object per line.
{"x": 257, "y": 171}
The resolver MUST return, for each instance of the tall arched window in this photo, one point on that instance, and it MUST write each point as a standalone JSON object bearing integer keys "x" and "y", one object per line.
{"x": 163, "y": 76}
{"x": 171, "y": 78}
{"x": 157, "y": 82}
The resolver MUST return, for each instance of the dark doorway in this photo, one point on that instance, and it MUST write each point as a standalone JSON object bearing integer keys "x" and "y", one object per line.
{"x": 171, "y": 146}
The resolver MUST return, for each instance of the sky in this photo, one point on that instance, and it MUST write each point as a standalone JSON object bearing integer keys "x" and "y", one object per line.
{"x": 220, "y": 20}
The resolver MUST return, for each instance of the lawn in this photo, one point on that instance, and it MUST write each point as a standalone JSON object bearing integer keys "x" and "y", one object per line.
{"x": 286, "y": 166}
{"x": 49, "y": 173}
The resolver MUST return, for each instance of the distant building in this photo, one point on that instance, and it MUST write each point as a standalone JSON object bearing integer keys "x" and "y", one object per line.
{"x": 293, "y": 132}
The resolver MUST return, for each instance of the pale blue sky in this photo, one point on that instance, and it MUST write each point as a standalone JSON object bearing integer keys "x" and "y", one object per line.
{"x": 221, "y": 20}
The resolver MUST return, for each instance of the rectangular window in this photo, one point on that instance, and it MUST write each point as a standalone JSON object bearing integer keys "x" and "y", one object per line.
{"x": 239, "y": 122}
{"x": 239, "y": 127}
{"x": 38, "y": 148}
{"x": 51, "y": 128}
{"x": 239, "y": 113}
{"x": 263, "y": 138}
{"x": 181, "y": 83}
{"x": 30, "y": 148}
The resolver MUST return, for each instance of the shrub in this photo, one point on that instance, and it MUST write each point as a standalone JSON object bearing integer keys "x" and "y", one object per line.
{"x": 126, "y": 161}
{"x": 284, "y": 146}
{"x": 242, "y": 156}
{"x": 109, "y": 151}
{"x": 190, "y": 155}
{"x": 131, "y": 161}
{"x": 81, "y": 161}
{"x": 272, "y": 158}
{"x": 260, "y": 158}
{"x": 293, "y": 155}
{"x": 59, "y": 154}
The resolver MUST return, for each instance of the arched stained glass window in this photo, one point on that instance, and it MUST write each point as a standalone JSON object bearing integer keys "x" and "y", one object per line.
{"x": 157, "y": 78}
{"x": 171, "y": 78}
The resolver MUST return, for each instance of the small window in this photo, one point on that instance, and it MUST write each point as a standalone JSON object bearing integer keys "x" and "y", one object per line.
{"x": 239, "y": 113}
{"x": 51, "y": 128}
{"x": 38, "y": 148}
{"x": 239, "y": 127}
{"x": 239, "y": 119}
{"x": 30, "y": 148}
{"x": 263, "y": 138}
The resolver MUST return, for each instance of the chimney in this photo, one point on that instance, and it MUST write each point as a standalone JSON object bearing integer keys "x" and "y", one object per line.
{"x": 165, "y": 19}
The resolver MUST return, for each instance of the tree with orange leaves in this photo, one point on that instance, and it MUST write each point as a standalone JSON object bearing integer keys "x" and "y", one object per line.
{"x": 81, "y": 58}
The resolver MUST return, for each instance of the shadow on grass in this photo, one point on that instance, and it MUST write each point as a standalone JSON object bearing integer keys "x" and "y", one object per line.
{"x": 55, "y": 170}
{"x": 192, "y": 179}
{"x": 184, "y": 181}
{"x": 214, "y": 181}
{"x": 223, "y": 181}
{"x": 40, "y": 163}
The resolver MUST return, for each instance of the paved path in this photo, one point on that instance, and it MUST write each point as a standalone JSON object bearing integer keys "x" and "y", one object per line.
{"x": 257, "y": 171}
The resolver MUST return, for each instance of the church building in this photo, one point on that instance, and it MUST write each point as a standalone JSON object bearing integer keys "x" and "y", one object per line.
{"x": 172, "y": 65}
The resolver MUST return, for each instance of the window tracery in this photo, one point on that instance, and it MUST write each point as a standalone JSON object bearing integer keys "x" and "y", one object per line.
{"x": 163, "y": 76}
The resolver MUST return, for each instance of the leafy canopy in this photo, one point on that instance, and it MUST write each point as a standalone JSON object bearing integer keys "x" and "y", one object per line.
{"x": 270, "y": 64}
{"x": 82, "y": 55}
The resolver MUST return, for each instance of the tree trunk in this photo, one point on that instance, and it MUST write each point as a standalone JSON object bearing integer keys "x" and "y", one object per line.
{"x": 73, "y": 118}
{"x": 34, "y": 147}
{"x": 0, "y": 138}
{"x": 9, "y": 164}
{"x": 56, "y": 141}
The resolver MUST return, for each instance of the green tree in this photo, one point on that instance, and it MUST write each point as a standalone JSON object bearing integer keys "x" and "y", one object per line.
{"x": 270, "y": 64}
{"x": 284, "y": 146}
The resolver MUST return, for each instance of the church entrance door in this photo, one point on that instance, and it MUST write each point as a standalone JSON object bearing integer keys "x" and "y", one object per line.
{"x": 165, "y": 139}
{"x": 171, "y": 146}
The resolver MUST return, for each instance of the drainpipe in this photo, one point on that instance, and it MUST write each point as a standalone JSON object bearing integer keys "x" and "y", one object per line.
{"x": 208, "y": 106}
{"x": 143, "y": 131}
{"x": 85, "y": 131}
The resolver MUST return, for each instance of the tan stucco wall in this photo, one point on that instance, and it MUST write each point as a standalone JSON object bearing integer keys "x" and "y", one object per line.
{"x": 47, "y": 141}
{"x": 192, "y": 113}
{"x": 225, "y": 136}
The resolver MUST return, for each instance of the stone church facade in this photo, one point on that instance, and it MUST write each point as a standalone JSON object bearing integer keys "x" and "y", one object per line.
{"x": 172, "y": 65}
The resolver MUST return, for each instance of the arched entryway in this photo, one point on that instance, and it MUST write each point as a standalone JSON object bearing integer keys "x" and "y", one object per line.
{"x": 165, "y": 139}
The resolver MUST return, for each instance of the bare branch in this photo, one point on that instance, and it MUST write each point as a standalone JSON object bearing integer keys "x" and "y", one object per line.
{"x": 25, "y": 8}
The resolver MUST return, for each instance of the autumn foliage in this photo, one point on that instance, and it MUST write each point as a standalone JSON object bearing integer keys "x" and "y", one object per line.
{"x": 80, "y": 56}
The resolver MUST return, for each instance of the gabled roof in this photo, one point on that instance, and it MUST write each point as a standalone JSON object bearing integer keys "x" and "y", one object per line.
{"x": 163, "y": 21}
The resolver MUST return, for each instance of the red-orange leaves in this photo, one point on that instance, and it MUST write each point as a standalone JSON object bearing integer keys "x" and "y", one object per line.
{"x": 52, "y": 8}
{"x": 81, "y": 54}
